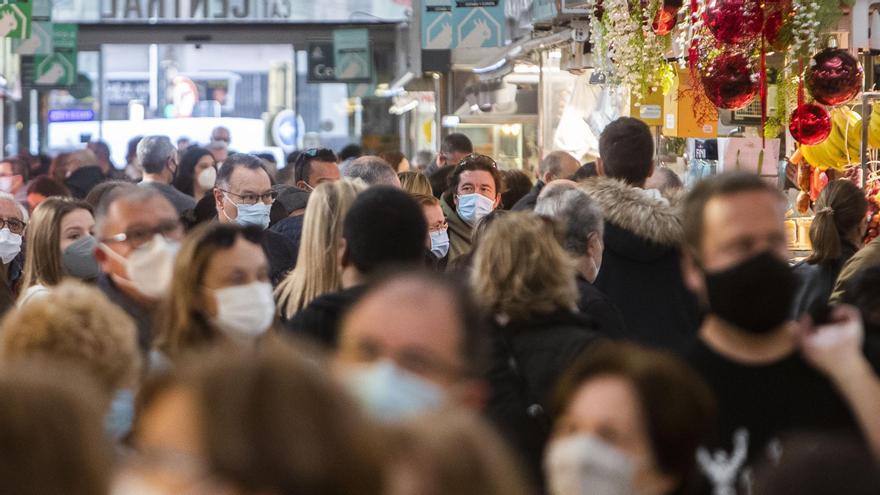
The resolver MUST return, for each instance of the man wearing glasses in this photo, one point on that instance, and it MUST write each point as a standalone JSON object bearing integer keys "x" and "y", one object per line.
{"x": 314, "y": 167}
{"x": 243, "y": 194}
{"x": 139, "y": 233}
{"x": 12, "y": 223}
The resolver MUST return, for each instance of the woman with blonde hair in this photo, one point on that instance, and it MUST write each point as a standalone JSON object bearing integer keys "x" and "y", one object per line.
{"x": 415, "y": 183}
{"x": 59, "y": 243}
{"x": 525, "y": 284}
{"x": 317, "y": 271}
{"x": 220, "y": 293}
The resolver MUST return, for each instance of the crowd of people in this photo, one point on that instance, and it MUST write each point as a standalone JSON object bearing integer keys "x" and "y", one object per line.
{"x": 206, "y": 321}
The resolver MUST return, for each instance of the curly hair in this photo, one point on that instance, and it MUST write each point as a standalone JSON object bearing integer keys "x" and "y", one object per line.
{"x": 78, "y": 324}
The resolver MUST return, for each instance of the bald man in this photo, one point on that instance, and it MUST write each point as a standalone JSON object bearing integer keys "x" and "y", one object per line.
{"x": 557, "y": 165}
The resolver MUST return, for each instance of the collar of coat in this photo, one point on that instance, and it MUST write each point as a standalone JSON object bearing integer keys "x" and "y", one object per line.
{"x": 631, "y": 209}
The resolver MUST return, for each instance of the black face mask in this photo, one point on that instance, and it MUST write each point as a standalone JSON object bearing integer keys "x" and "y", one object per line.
{"x": 755, "y": 295}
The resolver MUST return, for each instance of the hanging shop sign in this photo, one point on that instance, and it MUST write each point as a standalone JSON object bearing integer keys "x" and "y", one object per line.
{"x": 39, "y": 42}
{"x": 321, "y": 64}
{"x": 437, "y": 24}
{"x": 352, "y": 56}
{"x": 15, "y": 20}
{"x": 59, "y": 68}
{"x": 478, "y": 24}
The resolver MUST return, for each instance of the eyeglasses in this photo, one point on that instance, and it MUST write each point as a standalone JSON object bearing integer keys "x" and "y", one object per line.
{"x": 438, "y": 228}
{"x": 137, "y": 236}
{"x": 14, "y": 225}
{"x": 267, "y": 197}
{"x": 478, "y": 158}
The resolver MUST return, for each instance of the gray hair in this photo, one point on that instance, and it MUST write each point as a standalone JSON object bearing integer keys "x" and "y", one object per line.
{"x": 129, "y": 193}
{"x": 552, "y": 163}
{"x": 153, "y": 153}
{"x": 4, "y": 196}
{"x": 579, "y": 213}
{"x": 548, "y": 203}
{"x": 372, "y": 170}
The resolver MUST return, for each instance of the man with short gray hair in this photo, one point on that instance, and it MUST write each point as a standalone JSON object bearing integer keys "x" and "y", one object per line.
{"x": 14, "y": 218}
{"x": 555, "y": 166}
{"x": 584, "y": 230}
{"x": 372, "y": 170}
{"x": 158, "y": 158}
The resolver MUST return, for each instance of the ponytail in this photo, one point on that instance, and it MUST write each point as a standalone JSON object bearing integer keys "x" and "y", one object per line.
{"x": 840, "y": 210}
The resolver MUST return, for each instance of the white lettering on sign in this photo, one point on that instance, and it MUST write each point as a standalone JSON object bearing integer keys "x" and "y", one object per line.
{"x": 194, "y": 10}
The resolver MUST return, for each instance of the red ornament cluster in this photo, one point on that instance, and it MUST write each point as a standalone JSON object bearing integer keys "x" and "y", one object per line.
{"x": 734, "y": 22}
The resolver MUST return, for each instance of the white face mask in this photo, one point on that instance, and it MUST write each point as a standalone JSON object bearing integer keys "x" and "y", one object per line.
{"x": 245, "y": 311}
{"x": 10, "y": 245}
{"x": 150, "y": 267}
{"x": 6, "y": 184}
{"x": 207, "y": 178}
{"x": 583, "y": 464}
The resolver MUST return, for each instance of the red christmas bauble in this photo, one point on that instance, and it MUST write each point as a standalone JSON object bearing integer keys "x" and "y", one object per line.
{"x": 734, "y": 21}
{"x": 775, "y": 13}
{"x": 810, "y": 124}
{"x": 730, "y": 82}
{"x": 666, "y": 17}
{"x": 834, "y": 77}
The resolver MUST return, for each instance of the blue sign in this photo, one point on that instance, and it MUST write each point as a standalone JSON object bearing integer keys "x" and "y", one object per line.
{"x": 437, "y": 32}
{"x": 287, "y": 130}
{"x": 543, "y": 10}
{"x": 71, "y": 115}
{"x": 478, "y": 23}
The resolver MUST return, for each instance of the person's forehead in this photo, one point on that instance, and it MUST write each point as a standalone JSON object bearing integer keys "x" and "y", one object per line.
{"x": 243, "y": 256}
{"x": 476, "y": 177}
{"x": 9, "y": 209}
{"x": 433, "y": 211}
{"x": 399, "y": 319}
{"x": 253, "y": 179}
{"x": 324, "y": 167}
{"x": 746, "y": 213}
{"x": 153, "y": 211}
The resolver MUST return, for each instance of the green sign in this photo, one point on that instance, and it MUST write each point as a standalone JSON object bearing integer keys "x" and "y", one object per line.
{"x": 58, "y": 68}
{"x": 41, "y": 10}
{"x": 40, "y": 42}
{"x": 352, "y": 55}
{"x": 15, "y": 20}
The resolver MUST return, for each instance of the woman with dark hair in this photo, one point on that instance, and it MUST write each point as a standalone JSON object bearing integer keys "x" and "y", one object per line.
{"x": 627, "y": 420}
{"x": 516, "y": 185}
{"x": 836, "y": 234}
{"x": 197, "y": 172}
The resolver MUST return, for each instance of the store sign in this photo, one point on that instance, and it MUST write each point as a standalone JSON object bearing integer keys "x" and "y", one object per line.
{"x": 437, "y": 24}
{"x": 71, "y": 115}
{"x": 351, "y": 53}
{"x": 15, "y": 20}
{"x": 58, "y": 69}
{"x": 478, "y": 23}
{"x": 321, "y": 66}
{"x": 286, "y": 130}
{"x": 39, "y": 43}
{"x": 41, "y": 10}
{"x": 543, "y": 10}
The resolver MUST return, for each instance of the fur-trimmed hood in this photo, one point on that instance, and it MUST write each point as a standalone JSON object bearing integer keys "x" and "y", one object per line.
{"x": 653, "y": 219}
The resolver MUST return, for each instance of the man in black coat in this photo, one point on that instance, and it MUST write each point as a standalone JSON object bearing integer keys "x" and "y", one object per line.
{"x": 641, "y": 267}
{"x": 557, "y": 165}
{"x": 385, "y": 227}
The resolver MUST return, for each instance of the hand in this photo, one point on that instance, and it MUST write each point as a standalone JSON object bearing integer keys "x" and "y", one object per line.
{"x": 836, "y": 347}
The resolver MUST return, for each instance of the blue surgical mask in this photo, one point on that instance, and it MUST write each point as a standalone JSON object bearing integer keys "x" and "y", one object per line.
{"x": 439, "y": 243}
{"x": 473, "y": 207}
{"x": 256, "y": 214}
{"x": 119, "y": 418}
{"x": 391, "y": 394}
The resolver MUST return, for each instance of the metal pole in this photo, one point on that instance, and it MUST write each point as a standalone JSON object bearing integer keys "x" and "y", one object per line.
{"x": 866, "y": 120}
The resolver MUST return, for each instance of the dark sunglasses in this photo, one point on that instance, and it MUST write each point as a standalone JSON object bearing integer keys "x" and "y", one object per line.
{"x": 477, "y": 158}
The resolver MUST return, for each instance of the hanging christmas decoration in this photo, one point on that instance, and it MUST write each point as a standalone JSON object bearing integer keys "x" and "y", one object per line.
{"x": 730, "y": 81}
{"x": 734, "y": 21}
{"x": 666, "y": 17}
{"x": 776, "y": 12}
{"x": 810, "y": 124}
{"x": 834, "y": 76}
